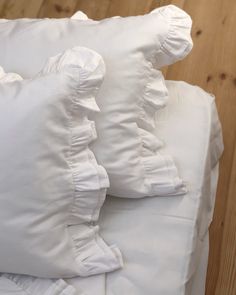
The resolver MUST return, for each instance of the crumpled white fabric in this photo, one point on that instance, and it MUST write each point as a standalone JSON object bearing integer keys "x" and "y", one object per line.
{"x": 133, "y": 91}
{"x": 25, "y": 285}
{"x": 8, "y": 77}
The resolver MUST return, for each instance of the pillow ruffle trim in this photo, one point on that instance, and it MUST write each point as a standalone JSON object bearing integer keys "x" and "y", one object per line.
{"x": 96, "y": 256}
{"x": 178, "y": 42}
{"x": 161, "y": 173}
{"x": 84, "y": 70}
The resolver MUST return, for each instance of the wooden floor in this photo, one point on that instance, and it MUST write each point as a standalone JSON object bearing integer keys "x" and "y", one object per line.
{"x": 211, "y": 65}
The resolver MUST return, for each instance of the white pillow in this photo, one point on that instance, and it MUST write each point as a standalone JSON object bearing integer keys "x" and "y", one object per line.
{"x": 51, "y": 187}
{"x": 132, "y": 92}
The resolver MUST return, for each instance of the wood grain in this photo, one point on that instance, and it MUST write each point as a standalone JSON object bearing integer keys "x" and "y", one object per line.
{"x": 93, "y": 8}
{"x": 211, "y": 65}
{"x": 57, "y": 8}
{"x": 20, "y": 8}
{"x": 227, "y": 270}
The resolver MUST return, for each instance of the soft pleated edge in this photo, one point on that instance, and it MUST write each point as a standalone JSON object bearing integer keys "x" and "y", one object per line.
{"x": 97, "y": 257}
{"x": 178, "y": 42}
{"x": 93, "y": 255}
{"x": 85, "y": 70}
{"x": 161, "y": 174}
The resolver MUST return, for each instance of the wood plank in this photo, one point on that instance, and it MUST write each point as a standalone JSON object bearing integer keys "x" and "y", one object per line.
{"x": 93, "y": 8}
{"x": 227, "y": 271}
{"x": 159, "y": 3}
{"x": 21, "y": 8}
{"x": 57, "y": 8}
{"x": 129, "y": 7}
{"x": 2, "y": 8}
{"x": 212, "y": 65}
{"x": 137, "y": 7}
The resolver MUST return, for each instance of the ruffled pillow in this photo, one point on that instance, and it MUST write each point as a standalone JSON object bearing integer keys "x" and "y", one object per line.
{"x": 161, "y": 173}
{"x": 133, "y": 49}
{"x": 51, "y": 186}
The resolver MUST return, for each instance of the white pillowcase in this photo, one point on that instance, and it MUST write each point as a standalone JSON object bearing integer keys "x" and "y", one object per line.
{"x": 51, "y": 187}
{"x": 132, "y": 92}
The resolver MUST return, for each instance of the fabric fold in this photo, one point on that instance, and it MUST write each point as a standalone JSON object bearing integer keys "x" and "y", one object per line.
{"x": 8, "y": 77}
{"x": 85, "y": 70}
{"x": 178, "y": 42}
{"x": 35, "y": 286}
{"x": 95, "y": 257}
{"x": 161, "y": 172}
{"x": 163, "y": 178}
{"x": 155, "y": 97}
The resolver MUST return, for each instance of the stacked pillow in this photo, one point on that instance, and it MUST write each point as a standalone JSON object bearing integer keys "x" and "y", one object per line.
{"x": 133, "y": 89}
{"x": 51, "y": 187}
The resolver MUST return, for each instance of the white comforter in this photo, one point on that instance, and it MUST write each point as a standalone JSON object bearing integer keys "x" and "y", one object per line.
{"x": 164, "y": 240}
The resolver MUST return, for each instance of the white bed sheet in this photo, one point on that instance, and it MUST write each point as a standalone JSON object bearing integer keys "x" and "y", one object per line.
{"x": 164, "y": 240}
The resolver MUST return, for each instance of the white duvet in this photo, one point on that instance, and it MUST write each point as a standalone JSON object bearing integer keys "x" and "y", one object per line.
{"x": 164, "y": 240}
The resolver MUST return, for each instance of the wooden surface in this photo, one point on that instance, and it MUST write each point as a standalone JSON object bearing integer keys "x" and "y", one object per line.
{"x": 211, "y": 65}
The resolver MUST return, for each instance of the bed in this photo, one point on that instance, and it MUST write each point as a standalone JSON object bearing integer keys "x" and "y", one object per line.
{"x": 164, "y": 240}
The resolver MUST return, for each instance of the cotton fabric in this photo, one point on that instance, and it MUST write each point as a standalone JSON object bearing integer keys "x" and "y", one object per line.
{"x": 166, "y": 239}
{"x": 133, "y": 48}
{"x": 51, "y": 187}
